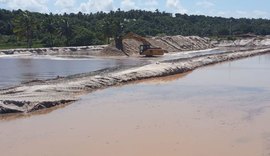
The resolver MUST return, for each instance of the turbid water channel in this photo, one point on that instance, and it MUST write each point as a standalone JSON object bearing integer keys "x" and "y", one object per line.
{"x": 219, "y": 110}
{"x": 15, "y": 70}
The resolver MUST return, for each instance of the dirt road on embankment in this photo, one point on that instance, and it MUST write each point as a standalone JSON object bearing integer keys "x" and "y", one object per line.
{"x": 37, "y": 95}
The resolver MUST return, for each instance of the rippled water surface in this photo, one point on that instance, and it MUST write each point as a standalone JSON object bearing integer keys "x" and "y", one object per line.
{"x": 219, "y": 110}
{"x": 14, "y": 70}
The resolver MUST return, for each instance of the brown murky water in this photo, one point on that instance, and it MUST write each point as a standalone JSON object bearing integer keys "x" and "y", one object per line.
{"x": 220, "y": 110}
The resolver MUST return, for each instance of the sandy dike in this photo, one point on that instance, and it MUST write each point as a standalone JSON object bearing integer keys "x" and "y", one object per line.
{"x": 130, "y": 47}
{"x": 59, "y": 51}
{"x": 45, "y": 94}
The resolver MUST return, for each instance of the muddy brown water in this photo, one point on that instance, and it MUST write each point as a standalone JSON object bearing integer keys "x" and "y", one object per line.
{"x": 15, "y": 70}
{"x": 219, "y": 110}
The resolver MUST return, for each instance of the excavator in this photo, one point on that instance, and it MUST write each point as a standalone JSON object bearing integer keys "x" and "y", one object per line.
{"x": 146, "y": 48}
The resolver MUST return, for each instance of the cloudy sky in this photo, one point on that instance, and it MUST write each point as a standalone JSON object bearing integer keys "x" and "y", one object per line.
{"x": 224, "y": 8}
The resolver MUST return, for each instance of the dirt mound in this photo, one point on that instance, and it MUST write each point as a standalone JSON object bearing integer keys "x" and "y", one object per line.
{"x": 177, "y": 43}
{"x": 111, "y": 51}
{"x": 131, "y": 46}
{"x": 131, "y": 43}
{"x": 244, "y": 42}
{"x": 182, "y": 43}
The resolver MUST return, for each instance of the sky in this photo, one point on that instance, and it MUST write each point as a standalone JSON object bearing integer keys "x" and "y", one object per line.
{"x": 223, "y": 8}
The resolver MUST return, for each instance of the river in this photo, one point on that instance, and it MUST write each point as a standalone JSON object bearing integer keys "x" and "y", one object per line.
{"x": 218, "y": 110}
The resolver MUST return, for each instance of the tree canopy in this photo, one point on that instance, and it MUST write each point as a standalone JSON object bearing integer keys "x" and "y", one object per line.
{"x": 26, "y": 28}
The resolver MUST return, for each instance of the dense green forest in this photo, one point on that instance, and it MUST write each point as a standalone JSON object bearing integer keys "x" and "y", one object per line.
{"x": 30, "y": 29}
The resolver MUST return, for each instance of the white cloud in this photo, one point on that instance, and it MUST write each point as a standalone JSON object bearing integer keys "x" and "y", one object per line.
{"x": 151, "y": 2}
{"x": 65, "y": 3}
{"x": 176, "y": 6}
{"x": 251, "y": 14}
{"x": 222, "y": 13}
{"x": 3, "y": 1}
{"x": 205, "y": 4}
{"x": 260, "y": 14}
{"x": 240, "y": 13}
{"x": 31, "y": 5}
{"x": 65, "y": 6}
{"x": 128, "y": 5}
{"x": 244, "y": 14}
{"x": 197, "y": 12}
{"x": 96, "y": 5}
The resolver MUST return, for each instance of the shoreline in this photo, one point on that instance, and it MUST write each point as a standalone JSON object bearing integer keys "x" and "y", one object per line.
{"x": 38, "y": 95}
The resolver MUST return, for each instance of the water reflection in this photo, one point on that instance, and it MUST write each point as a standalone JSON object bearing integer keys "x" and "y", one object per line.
{"x": 16, "y": 70}
{"x": 217, "y": 110}
{"x": 13, "y": 116}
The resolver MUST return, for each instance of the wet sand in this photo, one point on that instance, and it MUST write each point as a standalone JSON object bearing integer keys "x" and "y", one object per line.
{"x": 36, "y": 95}
{"x": 219, "y": 110}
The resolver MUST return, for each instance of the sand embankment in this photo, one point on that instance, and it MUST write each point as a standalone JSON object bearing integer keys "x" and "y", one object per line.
{"x": 44, "y": 94}
{"x": 130, "y": 47}
{"x": 170, "y": 43}
{"x": 80, "y": 50}
{"x": 259, "y": 41}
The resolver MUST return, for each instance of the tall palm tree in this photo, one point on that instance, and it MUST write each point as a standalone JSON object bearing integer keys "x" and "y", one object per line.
{"x": 24, "y": 26}
{"x": 49, "y": 26}
{"x": 107, "y": 29}
{"x": 66, "y": 30}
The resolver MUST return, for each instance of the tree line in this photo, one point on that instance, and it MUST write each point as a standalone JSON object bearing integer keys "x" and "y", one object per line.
{"x": 24, "y": 28}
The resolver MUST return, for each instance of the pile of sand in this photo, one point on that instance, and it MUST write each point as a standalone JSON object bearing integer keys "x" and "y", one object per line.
{"x": 182, "y": 43}
{"x": 244, "y": 42}
{"x": 131, "y": 46}
{"x": 169, "y": 43}
{"x": 79, "y": 50}
{"x": 111, "y": 51}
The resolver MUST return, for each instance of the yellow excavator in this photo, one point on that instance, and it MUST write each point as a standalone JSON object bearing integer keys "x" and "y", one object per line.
{"x": 146, "y": 48}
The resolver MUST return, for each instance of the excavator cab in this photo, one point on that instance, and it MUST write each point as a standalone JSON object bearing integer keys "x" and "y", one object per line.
{"x": 148, "y": 50}
{"x": 143, "y": 48}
